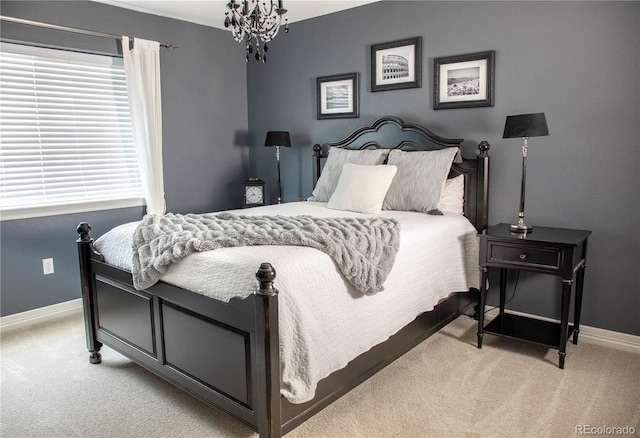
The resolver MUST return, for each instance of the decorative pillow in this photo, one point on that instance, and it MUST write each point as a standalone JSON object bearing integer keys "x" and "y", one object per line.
{"x": 452, "y": 196}
{"x": 333, "y": 168}
{"x": 362, "y": 188}
{"x": 420, "y": 178}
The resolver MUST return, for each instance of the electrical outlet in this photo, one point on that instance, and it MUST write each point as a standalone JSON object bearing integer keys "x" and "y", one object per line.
{"x": 47, "y": 266}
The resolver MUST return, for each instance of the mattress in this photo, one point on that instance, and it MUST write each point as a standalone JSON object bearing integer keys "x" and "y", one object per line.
{"x": 324, "y": 321}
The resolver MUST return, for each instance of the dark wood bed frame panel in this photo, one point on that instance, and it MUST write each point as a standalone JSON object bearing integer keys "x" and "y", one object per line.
{"x": 227, "y": 354}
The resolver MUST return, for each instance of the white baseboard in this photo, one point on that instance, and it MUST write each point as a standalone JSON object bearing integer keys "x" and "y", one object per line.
{"x": 43, "y": 314}
{"x": 591, "y": 335}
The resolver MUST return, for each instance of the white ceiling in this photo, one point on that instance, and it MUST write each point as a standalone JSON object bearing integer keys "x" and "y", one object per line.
{"x": 211, "y": 12}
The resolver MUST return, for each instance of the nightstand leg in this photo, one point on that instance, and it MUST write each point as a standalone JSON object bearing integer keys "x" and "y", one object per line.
{"x": 503, "y": 295}
{"x": 578, "y": 305}
{"x": 564, "y": 322}
{"x": 483, "y": 297}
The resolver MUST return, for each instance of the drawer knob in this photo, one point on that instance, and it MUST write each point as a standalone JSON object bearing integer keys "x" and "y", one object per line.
{"x": 523, "y": 256}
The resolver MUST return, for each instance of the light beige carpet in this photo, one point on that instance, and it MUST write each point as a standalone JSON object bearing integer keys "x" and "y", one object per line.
{"x": 445, "y": 387}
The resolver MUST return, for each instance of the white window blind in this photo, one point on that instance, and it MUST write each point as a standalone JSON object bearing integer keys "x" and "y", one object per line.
{"x": 65, "y": 133}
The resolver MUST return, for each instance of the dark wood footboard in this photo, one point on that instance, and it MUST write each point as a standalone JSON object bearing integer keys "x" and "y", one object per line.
{"x": 227, "y": 354}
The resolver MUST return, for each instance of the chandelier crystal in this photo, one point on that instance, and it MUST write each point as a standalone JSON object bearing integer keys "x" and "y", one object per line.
{"x": 256, "y": 22}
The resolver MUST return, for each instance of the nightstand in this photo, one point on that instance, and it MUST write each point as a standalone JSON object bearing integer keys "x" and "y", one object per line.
{"x": 555, "y": 251}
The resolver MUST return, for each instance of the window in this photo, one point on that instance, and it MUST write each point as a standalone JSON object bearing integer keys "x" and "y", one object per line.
{"x": 65, "y": 133}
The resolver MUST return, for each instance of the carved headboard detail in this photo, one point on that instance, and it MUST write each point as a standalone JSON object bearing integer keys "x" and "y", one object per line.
{"x": 391, "y": 132}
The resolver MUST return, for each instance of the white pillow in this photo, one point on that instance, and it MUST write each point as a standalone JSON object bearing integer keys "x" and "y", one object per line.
{"x": 452, "y": 196}
{"x": 420, "y": 178}
{"x": 333, "y": 168}
{"x": 362, "y": 188}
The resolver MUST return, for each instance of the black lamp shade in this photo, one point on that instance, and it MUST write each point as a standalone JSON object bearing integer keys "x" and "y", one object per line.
{"x": 526, "y": 125}
{"x": 278, "y": 138}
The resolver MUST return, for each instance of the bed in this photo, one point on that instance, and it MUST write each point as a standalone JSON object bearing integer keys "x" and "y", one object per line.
{"x": 267, "y": 355}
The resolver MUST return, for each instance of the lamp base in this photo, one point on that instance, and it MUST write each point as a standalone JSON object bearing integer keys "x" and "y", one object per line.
{"x": 520, "y": 227}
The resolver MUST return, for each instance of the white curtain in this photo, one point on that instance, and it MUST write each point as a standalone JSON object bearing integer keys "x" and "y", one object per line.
{"x": 142, "y": 68}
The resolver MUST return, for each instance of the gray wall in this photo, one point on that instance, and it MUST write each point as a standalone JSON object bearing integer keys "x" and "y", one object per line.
{"x": 576, "y": 61}
{"x": 205, "y": 153}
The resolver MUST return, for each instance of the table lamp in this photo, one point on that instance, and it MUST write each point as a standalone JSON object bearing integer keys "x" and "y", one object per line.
{"x": 278, "y": 139}
{"x": 525, "y": 126}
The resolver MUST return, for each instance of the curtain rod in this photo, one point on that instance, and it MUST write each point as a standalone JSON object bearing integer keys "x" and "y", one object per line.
{"x": 72, "y": 29}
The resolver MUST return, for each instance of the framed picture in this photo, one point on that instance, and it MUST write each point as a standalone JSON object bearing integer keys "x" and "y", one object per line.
{"x": 338, "y": 96}
{"x": 396, "y": 65}
{"x": 464, "y": 81}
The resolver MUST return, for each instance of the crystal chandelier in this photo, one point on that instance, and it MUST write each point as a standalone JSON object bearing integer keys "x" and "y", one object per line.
{"x": 257, "y": 20}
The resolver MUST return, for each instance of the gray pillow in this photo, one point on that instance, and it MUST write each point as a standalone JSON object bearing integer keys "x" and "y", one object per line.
{"x": 337, "y": 158}
{"x": 419, "y": 179}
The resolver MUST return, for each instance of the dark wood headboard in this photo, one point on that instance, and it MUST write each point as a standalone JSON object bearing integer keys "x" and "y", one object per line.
{"x": 391, "y": 132}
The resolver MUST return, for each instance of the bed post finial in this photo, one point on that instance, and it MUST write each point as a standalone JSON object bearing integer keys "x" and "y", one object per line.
{"x": 83, "y": 230}
{"x": 266, "y": 274}
{"x": 484, "y": 148}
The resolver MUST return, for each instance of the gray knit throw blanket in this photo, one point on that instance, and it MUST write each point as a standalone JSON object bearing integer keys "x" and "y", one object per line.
{"x": 364, "y": 249}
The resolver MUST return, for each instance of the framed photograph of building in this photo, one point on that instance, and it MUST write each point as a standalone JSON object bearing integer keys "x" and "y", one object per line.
{"x": 338, "y": 96}
{"x": 464, "y": 81}
{"x": 396, "y": 65}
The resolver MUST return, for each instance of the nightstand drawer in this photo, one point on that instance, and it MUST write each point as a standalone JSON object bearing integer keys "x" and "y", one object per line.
{"x": 521, "y": 254}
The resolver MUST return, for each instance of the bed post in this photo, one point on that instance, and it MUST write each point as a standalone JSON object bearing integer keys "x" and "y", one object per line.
{"x": 85, "y": 249}
{"x": 269, "y": 408}
{"x": 482, "y": 195}
{"x": 317, "y": 153}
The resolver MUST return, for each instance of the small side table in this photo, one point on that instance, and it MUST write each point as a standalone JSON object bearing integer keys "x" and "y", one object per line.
{"x": 555, "y": 251}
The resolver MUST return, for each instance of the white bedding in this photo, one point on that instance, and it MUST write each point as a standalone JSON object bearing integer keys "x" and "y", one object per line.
{"x": 324, "y": 321}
